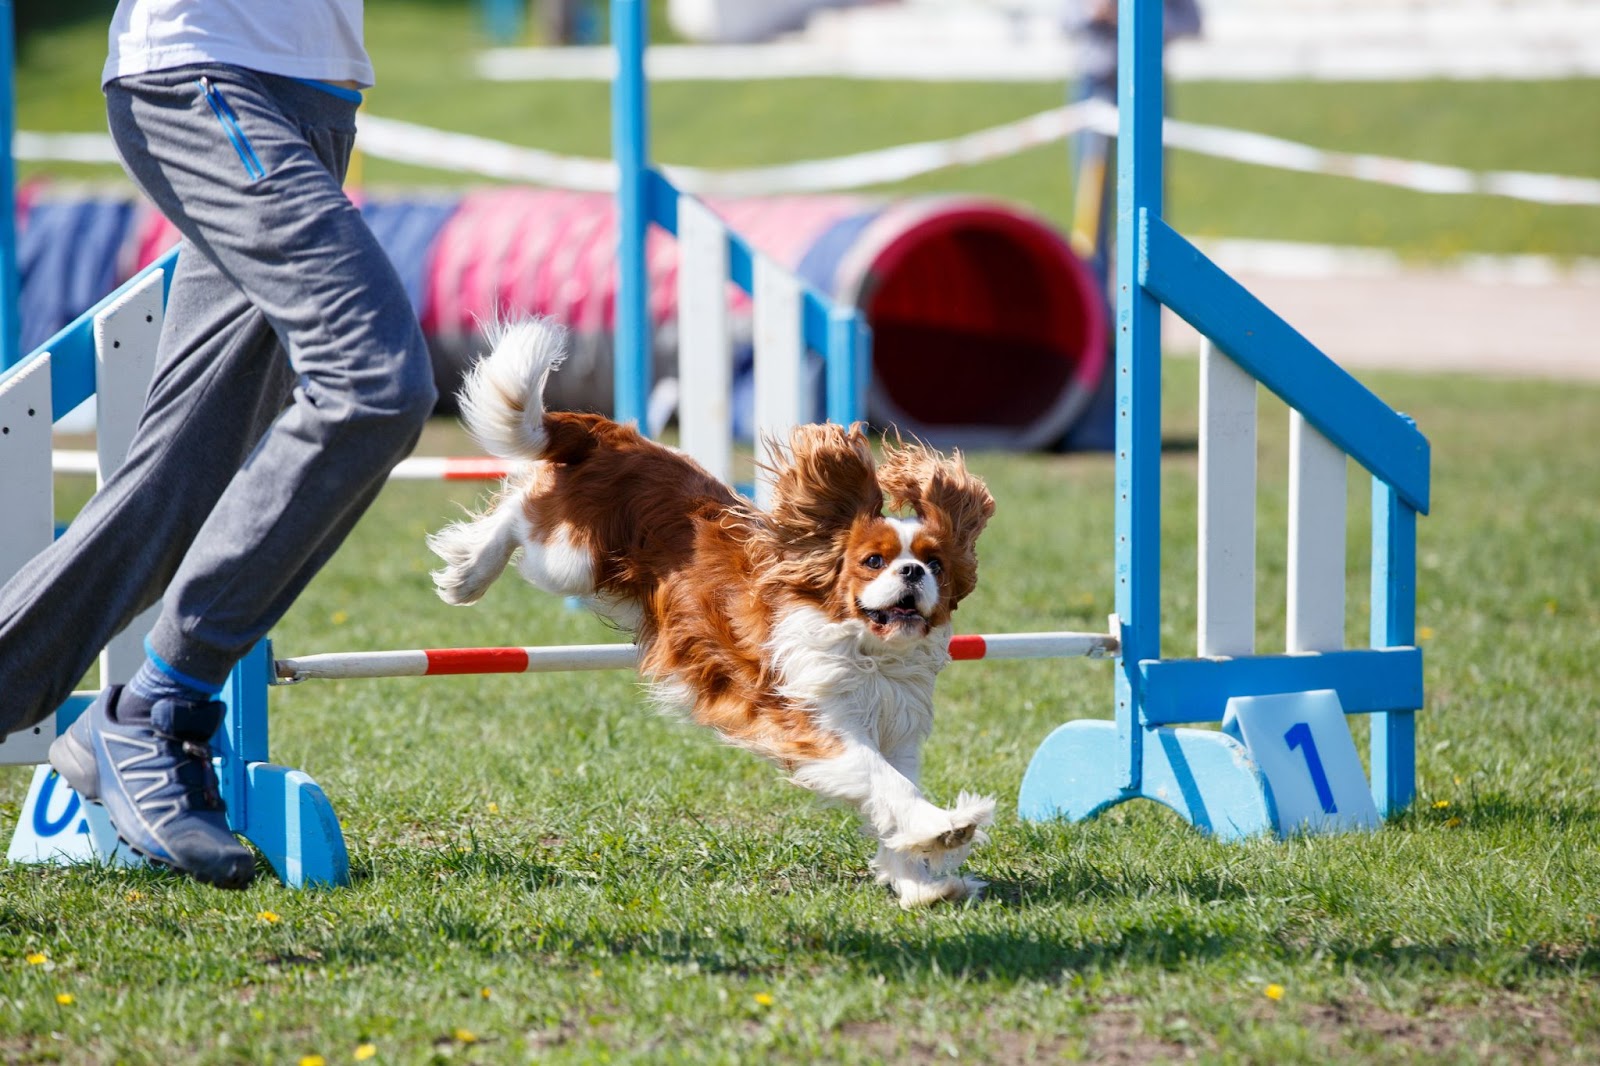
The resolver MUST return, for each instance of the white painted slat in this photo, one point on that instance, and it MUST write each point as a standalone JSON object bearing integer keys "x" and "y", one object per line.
{"x": 705, "y": 349}
{"x": 27, "y": 519}
{"x": 125, "y": 339}
{"x": 1316, "y": 539}
{"x": 1227, "y": 564}
{"x": 779, "y": 359}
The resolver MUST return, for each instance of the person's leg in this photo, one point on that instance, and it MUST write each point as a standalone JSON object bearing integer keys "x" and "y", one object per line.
{"x": 285, "y": 233}
{"x": 220, "y": 380}
{"x": 248, "y": 168}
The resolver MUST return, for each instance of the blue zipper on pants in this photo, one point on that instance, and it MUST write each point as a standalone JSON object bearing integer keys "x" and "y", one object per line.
{"x": 232, "y": 129}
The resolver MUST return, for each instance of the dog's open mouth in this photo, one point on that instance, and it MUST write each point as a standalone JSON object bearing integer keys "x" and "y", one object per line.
{"x": 902, "y": 613}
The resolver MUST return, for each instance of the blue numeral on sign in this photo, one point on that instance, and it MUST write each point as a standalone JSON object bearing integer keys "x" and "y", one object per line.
{"x": 1299, "y": 736}
{"x": 43, "y": 824}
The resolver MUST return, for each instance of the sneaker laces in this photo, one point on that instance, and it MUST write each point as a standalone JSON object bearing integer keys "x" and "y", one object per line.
{"x": 204, "y": 793}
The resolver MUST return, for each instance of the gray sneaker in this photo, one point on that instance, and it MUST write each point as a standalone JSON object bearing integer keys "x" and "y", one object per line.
{"x": 157, "y": 785}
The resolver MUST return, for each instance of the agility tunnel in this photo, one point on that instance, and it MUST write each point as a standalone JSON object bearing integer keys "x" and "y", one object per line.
{"x": 987, "y": 330}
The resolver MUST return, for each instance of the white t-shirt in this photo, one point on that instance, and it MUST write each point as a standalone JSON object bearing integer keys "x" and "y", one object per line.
{"x": 318, "y": 39}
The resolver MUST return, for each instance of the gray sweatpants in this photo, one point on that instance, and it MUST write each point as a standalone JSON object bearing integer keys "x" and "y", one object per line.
{"x": 291, "y": 376}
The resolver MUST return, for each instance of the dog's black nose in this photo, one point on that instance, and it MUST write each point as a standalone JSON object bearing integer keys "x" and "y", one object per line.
{"x": 910, "y": 571}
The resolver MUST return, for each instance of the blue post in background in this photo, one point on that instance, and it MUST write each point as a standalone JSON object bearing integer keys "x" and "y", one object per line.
{"x": 845, "y": 365}
{"x": 630, "y": 147}
{"x": 502, "y": 19}
{"x": 10, "y": 328}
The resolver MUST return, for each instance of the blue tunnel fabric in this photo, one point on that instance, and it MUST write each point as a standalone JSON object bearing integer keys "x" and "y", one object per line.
{"x": 407, "y": 230}
{"x": 67, "y": 256}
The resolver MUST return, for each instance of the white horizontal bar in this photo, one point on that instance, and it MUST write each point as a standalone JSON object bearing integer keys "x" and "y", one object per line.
{"x": 1034, "y": 646}
{"x": 463, "y": 661}
{"x": 416, "y": 468}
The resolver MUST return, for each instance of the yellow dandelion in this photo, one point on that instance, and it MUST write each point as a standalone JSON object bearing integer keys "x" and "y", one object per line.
{"x": 1440, "y": 805}
{"x": 134, "y": 896}
{"x": 1273, "y": 992}
{"x": 313, "y": 1060}
{"x": 270, "y": 917}
{"x": 494, "y": 808}
{"x": 484, "y": 993}
{"x": 64, "y": 998}
{"x": 1452, "y": 823}
{"x": 37, "y": 958}
{"x": 763, "y": 998}
{"x": 466, "y": 1036}
{"x": 365, "y": 1052}
{"x": 1424, "y": 632}
{"x": 339, "y": 618}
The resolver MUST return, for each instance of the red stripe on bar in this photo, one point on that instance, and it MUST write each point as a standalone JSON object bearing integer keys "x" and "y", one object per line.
{"x": 474, "y": 469}
{"x": 968, "y": 646}
{"x": 477, "y": 661}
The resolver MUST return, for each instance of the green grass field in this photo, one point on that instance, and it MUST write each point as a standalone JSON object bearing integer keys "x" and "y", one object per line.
{"x": 543, "y": 867}
{"x": 423, "y": 51}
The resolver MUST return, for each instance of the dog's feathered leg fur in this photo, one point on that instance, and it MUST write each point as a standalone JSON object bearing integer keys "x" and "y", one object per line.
{"x": 475, "y": 552}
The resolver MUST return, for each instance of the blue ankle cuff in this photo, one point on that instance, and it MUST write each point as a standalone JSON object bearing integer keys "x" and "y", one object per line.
{"x": 157, "y": 680}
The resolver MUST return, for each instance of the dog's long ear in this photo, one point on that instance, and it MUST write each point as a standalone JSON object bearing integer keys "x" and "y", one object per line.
{"x": 824, "y": 479}
{"x": 952, "y": 502}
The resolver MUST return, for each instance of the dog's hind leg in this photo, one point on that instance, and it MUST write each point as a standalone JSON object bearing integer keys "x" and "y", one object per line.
{"x": 557, "y": 562}
{"x": 476, "y": 551}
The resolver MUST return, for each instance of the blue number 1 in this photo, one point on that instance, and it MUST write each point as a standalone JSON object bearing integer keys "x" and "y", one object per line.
{"x": 1299, "y": 736}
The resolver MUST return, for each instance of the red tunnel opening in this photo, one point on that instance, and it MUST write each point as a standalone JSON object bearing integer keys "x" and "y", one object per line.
{"x": 987, "y": 330}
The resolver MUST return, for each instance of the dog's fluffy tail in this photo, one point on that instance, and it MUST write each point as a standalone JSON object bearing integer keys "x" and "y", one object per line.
{"x": 502, "y": 401}
{"x": 502, "y": 406}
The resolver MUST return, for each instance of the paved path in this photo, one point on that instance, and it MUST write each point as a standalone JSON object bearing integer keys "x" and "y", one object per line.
{"x": 1430, "y": 321}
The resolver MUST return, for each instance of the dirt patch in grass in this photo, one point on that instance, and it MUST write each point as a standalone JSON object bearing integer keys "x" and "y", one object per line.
{"x": 1114, "y": 1036}
{"x": 1120, "y": 1034}
{"x": 1526, "y": 1030}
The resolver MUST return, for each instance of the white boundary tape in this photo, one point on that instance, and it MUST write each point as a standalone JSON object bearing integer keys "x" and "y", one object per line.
{"x": 424, "y": 146}
{"x": 63, "y": 147}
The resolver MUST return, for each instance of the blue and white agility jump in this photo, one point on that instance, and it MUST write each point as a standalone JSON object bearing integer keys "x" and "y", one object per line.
{"x": 1211, "y": 777}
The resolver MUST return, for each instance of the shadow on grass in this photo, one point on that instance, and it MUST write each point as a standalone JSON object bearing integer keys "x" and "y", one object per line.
{"x": 1171, "y": 942}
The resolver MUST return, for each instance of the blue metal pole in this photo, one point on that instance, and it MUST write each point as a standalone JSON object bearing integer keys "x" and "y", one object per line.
{"x": 630, "y": 147}
{"x": 1394, "y": 624}
{"x": 1138, "y": 368}
{"x": 10, "y": 326}
{"x": 844, "y": 369}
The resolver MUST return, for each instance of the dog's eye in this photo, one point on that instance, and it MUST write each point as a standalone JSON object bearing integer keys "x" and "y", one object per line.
{"x": 874, "y": 562}
{"x": 935, "y": 567}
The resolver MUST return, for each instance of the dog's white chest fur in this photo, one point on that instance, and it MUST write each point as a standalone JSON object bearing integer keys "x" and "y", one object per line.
{"x": 858, "y": 685}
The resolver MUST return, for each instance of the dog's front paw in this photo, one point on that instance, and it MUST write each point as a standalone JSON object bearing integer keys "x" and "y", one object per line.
{"x": 945, "y": 837}
{"x": 914, "y": 893}
{"x": 916, "y": 885}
